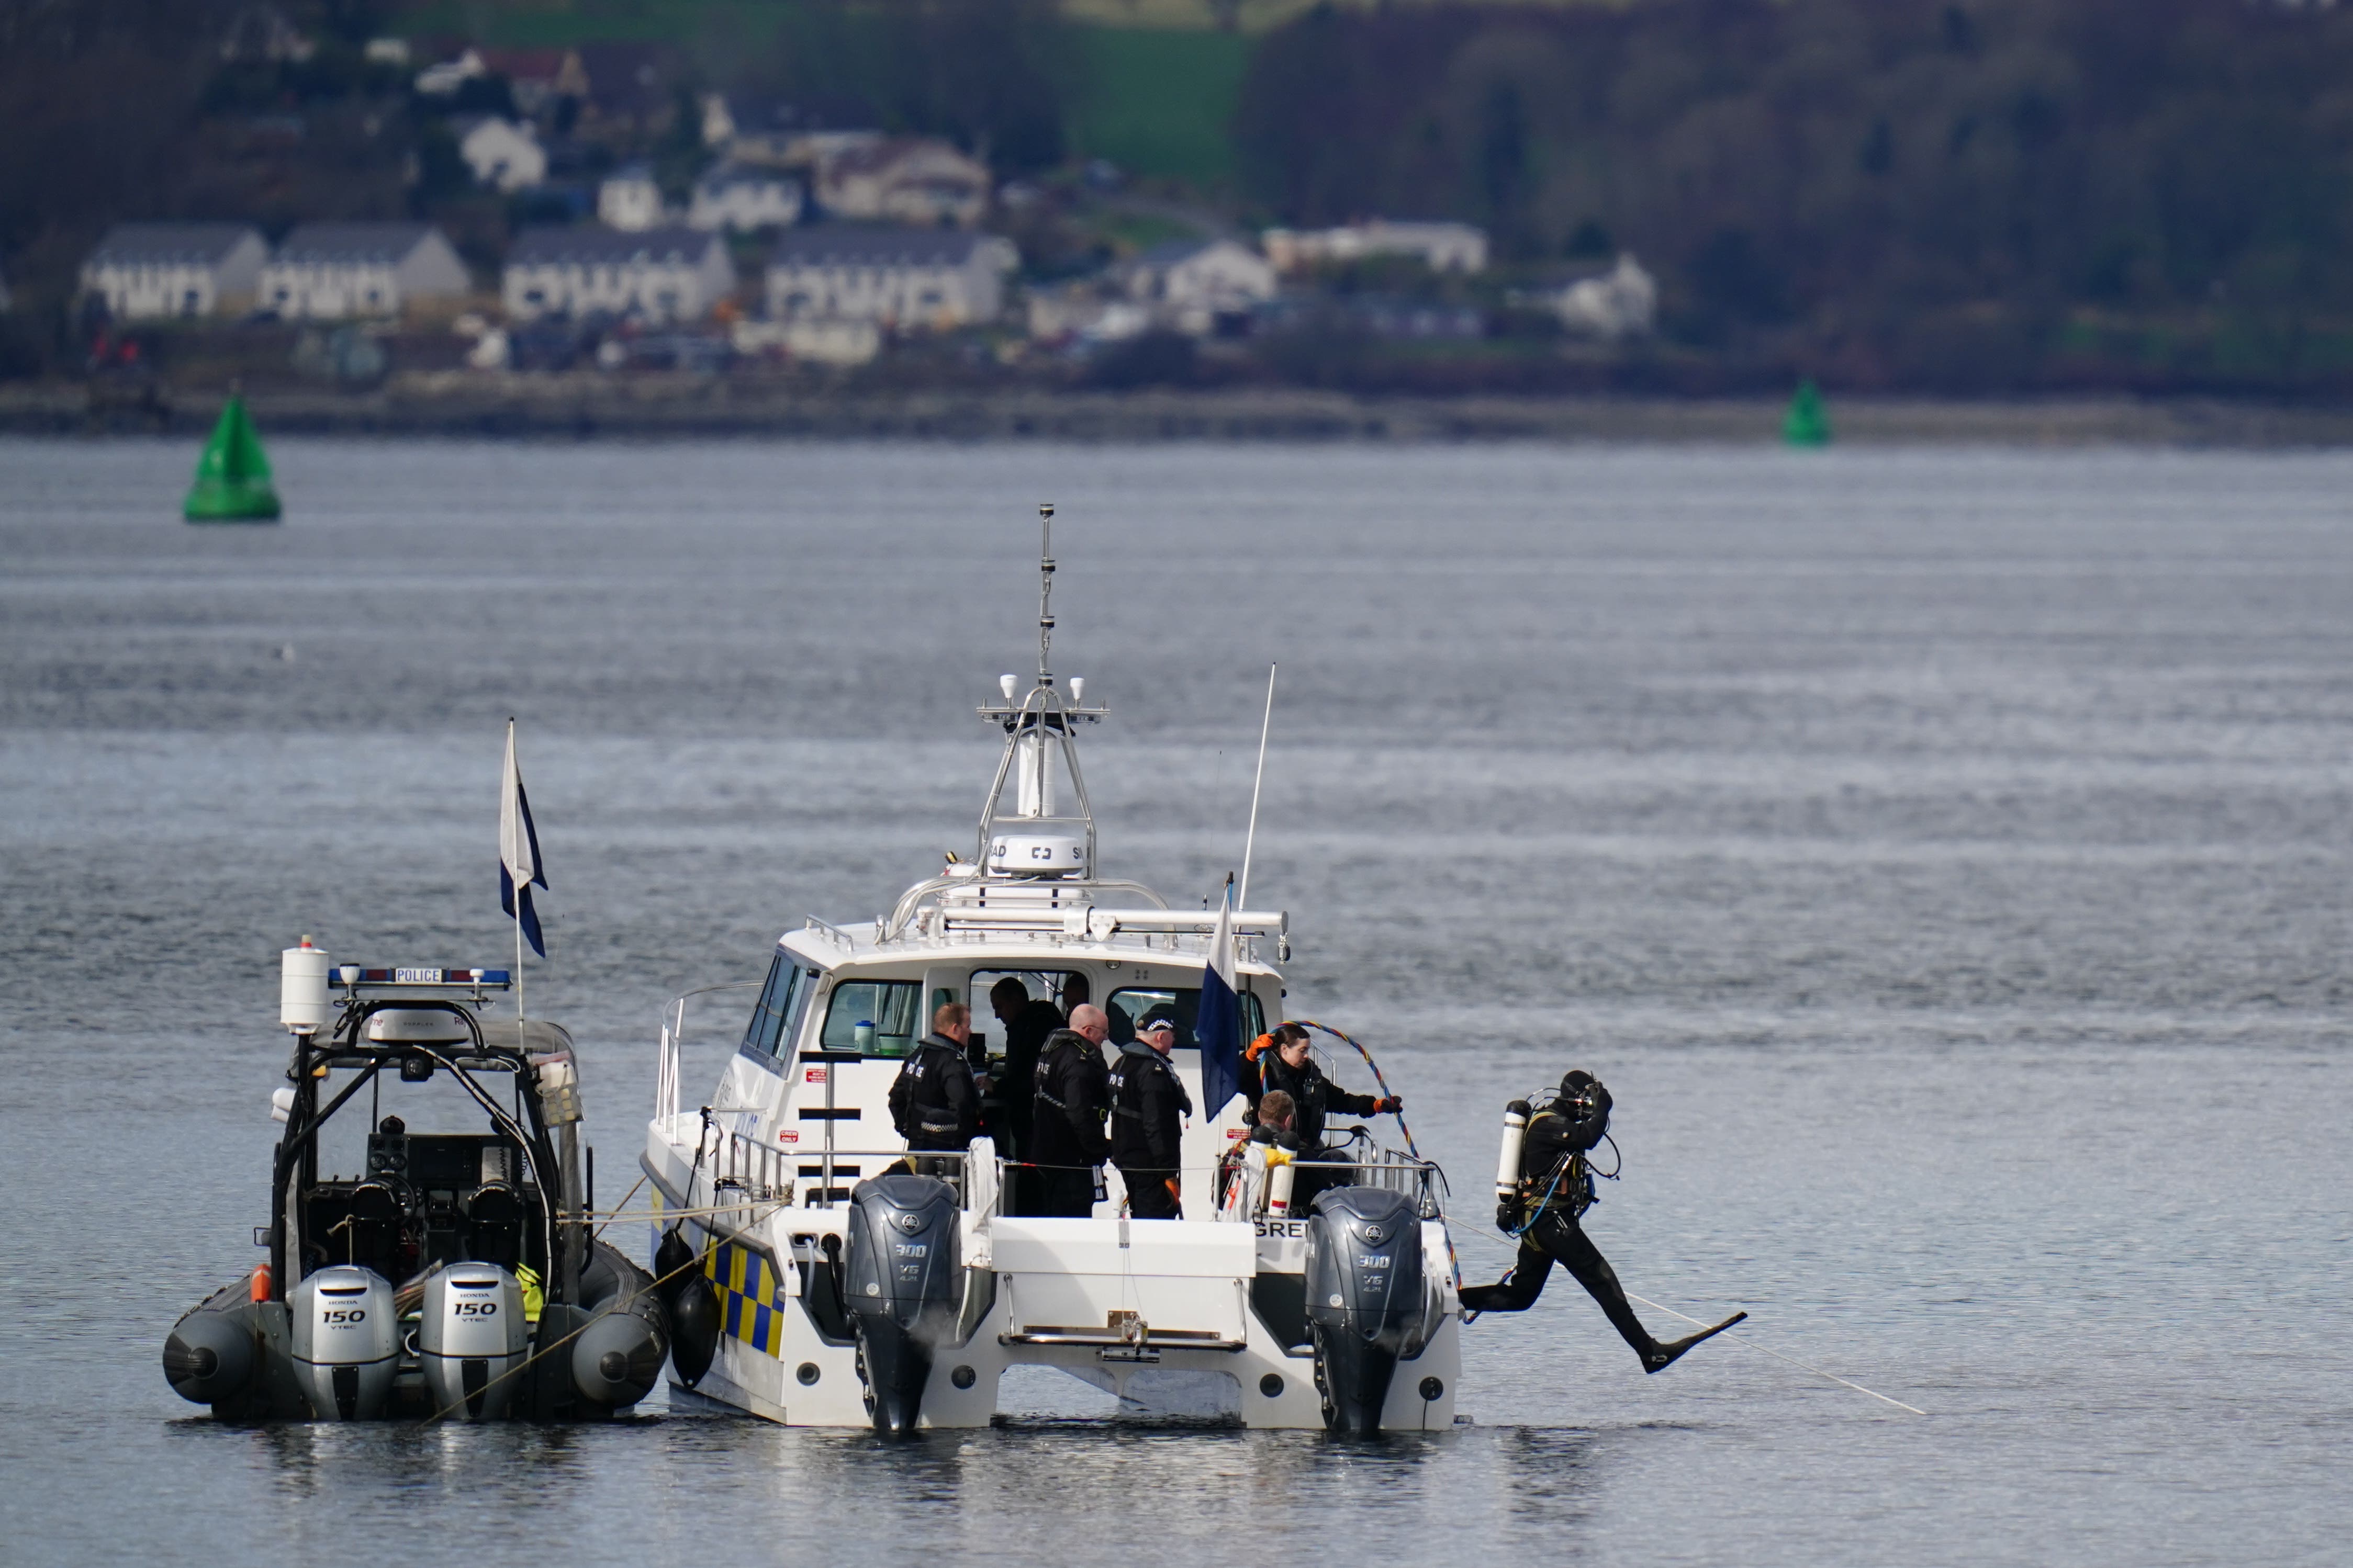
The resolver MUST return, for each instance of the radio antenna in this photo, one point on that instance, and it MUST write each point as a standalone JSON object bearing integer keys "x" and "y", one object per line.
{"x": 1265, "y": 727}
{"x": 1045, "y": 588}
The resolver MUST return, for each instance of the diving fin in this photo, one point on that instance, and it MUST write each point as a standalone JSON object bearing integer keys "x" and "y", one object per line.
{"x": 1658, "y": 1357}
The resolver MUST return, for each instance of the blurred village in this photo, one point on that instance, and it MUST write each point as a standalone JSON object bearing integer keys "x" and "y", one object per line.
{"x": 597, "y": 214}
{"x": 1671, "y": 198}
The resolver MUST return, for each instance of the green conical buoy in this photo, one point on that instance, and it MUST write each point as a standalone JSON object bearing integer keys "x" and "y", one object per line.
{"x": 232, "y": 477}
{"x": 1809, "y": 423}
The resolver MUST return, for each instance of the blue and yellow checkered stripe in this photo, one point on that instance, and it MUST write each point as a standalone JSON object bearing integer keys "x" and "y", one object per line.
{"x": 751, "y": 1296}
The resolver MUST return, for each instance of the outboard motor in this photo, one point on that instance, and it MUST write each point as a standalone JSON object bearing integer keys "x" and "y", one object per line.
{"x": 904, "y": 1272}
{"x": 694, "y": 1319}
{"x": 209, "y": 1357}
{"x": 1364, "y": 1300}
{"x": 347, "y": 1341}
{"x": 471, "y": 1337}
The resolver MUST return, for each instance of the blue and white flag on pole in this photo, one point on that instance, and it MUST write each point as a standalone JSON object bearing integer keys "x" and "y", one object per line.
{"x": 1219, "y": 1025}
{"x": 519, "y": 865}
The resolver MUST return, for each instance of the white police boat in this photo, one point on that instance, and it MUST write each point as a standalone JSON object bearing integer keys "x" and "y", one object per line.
{"x": 815, "y": 1280}
{"x": 428, "y": 1251}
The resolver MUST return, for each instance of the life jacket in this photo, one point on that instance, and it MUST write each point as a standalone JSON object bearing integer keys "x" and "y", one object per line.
{"x": 930, "y": 1115}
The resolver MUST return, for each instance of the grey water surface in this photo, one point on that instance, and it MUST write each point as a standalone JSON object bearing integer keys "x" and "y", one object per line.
{"x": 1945, "y": 857}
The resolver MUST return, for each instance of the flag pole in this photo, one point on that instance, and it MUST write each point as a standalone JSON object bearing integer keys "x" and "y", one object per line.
{"x": 1249, "y": 843}
{"x": 519, "y": 895}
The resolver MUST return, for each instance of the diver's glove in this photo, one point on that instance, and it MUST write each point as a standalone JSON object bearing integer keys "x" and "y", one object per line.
{"x": 1390, "y": 1103}
{"x": 1507, "y": 1216}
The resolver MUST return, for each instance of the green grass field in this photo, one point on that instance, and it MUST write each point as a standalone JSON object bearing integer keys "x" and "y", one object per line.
{"x": 1158, "y": 103}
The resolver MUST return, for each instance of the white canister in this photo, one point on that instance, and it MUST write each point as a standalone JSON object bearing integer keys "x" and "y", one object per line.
{"x": 303, "y": 1004}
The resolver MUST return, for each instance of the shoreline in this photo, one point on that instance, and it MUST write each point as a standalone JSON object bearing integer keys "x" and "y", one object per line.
{"x": 583, "y": 405}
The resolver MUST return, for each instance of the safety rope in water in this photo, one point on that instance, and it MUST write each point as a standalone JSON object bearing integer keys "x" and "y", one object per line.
{"x": 1736, "y": 1338}
{"x": 1388, "y": 1093}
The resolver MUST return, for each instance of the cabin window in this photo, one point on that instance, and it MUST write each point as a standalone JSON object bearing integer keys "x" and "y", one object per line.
{"x": 782, "y": 1000}
{"x": 1132, "y": 1005}
{"x": 1053, "y": 985}
{"x": 893, "y": 1006}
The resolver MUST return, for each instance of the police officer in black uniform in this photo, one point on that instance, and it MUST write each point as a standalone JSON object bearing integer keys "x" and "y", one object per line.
{"x": 1066, "y": 1125}
{"x": 1146, "y": 1100}
{"x": 934, "y": 1103}
{"x": 1556, "y": 1188}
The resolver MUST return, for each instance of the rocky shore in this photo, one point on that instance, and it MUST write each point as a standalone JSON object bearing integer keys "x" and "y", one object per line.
{"x": 653, "y": 405}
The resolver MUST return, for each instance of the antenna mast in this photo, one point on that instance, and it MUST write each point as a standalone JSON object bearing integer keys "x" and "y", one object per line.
{"x": 1045, "y": 588}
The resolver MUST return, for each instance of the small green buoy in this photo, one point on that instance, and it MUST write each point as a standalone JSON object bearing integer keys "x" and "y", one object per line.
{"x": 233, "y": 476}
{"x": 1809, "y": 423}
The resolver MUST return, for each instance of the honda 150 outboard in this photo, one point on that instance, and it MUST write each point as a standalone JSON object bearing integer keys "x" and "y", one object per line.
{"x": 1364, "y": 1300}
{"x": 472, "y": 1338}
{"x": 346, "y": 1342}
{"x": 904, "y": 1271}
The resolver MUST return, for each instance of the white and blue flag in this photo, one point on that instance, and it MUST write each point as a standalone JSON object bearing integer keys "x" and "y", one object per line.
{"x": 1219, "y": 1025}
{"x": 519, "y": 865}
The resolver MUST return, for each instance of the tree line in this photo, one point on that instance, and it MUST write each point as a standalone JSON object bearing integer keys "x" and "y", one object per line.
{"x": 1919, "y": 192}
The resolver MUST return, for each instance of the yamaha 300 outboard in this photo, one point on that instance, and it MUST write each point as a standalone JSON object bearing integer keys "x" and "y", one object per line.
{"x": 904, "y": 1271}
{"x": 1364, "y": 1300}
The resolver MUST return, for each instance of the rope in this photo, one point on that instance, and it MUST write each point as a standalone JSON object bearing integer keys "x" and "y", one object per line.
{"x": 545, "y": 1351}
{"x": 1742, "y": 1338}
{"x": 1453, "y": 1260}
{"x": 617, "y": 1213}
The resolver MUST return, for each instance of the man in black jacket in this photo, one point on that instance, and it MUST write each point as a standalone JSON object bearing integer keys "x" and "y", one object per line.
{"x": 1290, "y": 1067}
{"x": 934, "y": 1103}
{"x": 1027, "y": 1021}
{"x": 1147, "y": 1102}
{"x": 1556, "y": 1189}
{"x": 1066, "y": 1135}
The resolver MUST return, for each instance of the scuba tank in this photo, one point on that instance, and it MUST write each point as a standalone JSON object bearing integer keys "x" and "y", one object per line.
{"x": 1281, "y": 1175}
{"x": 1507, "y": 1162}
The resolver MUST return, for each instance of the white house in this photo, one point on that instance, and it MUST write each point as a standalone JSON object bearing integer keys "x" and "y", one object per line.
{"x": 328, "y": 271}
{"x": 503, "y": 153}
{"x": 1441, "y": 247}
{"x": 742, "y": 198}
{"x": 660, "y": 275}
{"x": 629, "y": 199}
{"x": 904, "y": 277}
{"x": 1621, "y": 303}
{"x": 144, "y": 270}
{"x": 902, "y": 179}
{"x": 443, "y": 79}
{"x": 1190, "y": 283}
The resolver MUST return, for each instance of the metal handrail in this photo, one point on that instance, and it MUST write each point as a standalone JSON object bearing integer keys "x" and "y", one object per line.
{"x": 673, "y": 1040}
{"x": 763, "y": 1172}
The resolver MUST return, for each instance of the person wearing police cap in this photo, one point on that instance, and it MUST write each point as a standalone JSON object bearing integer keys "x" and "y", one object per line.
{"x": 934, "y": 1102}
{"x": 1554, "y": 1191}
{"x": 1146, "y": 1103}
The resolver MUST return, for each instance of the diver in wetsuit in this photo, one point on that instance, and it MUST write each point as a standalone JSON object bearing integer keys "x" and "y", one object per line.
{"x": 1555, "y": 1189}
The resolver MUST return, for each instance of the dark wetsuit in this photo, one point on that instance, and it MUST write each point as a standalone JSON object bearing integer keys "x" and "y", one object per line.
{"x": 1145, "y": 1102}
{"x": 1066, "y": 1136}
{"x": 1553, "y": 1175}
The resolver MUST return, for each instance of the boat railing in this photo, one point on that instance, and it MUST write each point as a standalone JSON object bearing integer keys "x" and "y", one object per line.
{"x": 746, "y": 1170}
{"x": 1420, "y": 1181}
{"x": 673, "y": 1044}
